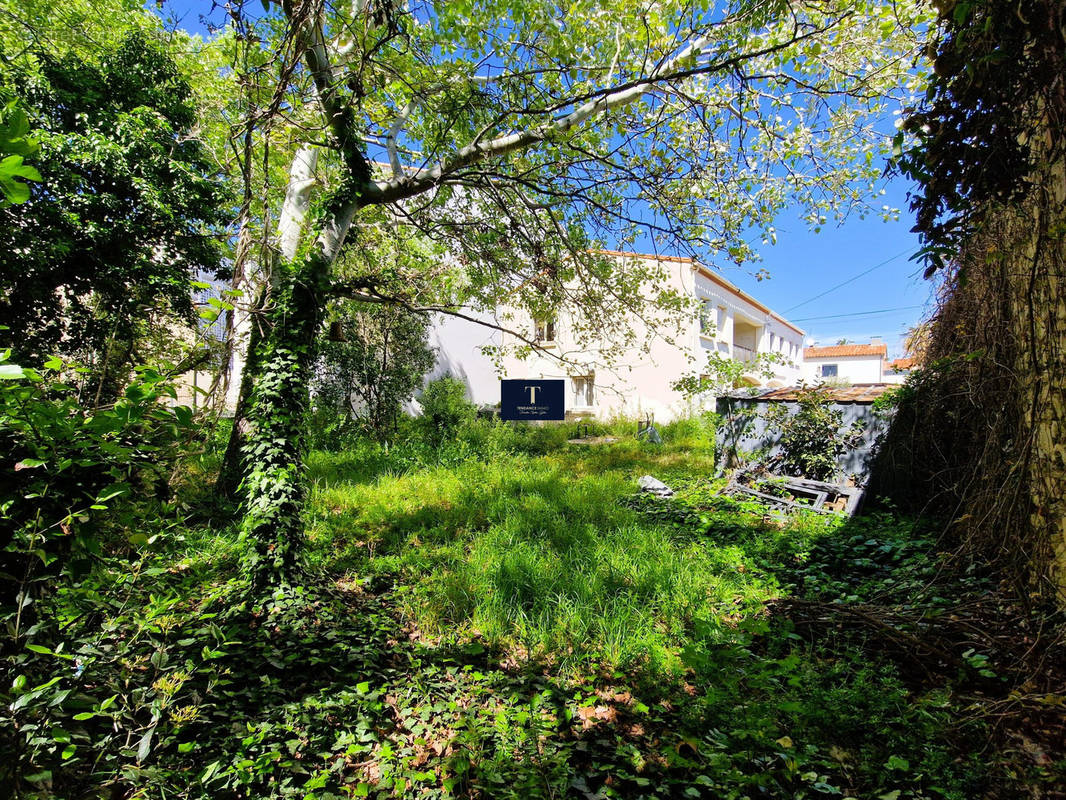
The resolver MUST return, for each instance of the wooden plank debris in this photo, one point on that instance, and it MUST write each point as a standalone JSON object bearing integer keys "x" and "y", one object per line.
{"x": 797, "y": 493}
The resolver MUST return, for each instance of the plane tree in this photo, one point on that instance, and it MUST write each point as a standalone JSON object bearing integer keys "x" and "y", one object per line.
{"x": 523, "y": 138}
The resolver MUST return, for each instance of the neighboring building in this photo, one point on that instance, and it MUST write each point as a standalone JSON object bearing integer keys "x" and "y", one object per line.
{"x": 850, "y": 363}
{"x": 728, "y": 321}
{"x": 899, "y": 369}
{"x": 458, "y": 343}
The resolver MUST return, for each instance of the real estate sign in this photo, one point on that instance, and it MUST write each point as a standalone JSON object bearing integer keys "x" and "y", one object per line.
{"x": 532, "y": 399}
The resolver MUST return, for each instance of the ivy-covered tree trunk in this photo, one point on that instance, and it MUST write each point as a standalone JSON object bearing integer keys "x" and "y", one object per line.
{"x": 231, "y": 471}
{"x": 274, "y": 485}
{"x": 248, "y": 329}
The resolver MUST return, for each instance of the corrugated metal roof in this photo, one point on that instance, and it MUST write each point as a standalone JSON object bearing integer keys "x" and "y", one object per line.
{"x": 844, "y": 350}
{"x": 856, "y": 393}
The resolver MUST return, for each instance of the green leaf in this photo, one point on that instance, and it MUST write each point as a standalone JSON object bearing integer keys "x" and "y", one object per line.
{"x": 145, "y": 745}
{"x": 895, "y": 762}
{"x": 113, "y": 492}
{"x": 10, "y": 372}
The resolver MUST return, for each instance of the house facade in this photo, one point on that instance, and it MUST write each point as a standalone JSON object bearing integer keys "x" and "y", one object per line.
{"x": 637, "y": 382}
{"x": 899, "y": 369}
{"x": 849, "y": 363}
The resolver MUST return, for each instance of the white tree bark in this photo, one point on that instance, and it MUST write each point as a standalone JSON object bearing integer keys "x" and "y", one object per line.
{"x": 257, "y": 275}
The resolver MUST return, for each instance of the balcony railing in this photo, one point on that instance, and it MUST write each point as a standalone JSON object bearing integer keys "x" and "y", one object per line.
{"x": 743, "y": 354}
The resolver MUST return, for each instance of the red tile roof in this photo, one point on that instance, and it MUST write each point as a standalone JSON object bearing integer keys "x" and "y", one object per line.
{"x": 903, "y": 363}
{"x": 844, "y": 350}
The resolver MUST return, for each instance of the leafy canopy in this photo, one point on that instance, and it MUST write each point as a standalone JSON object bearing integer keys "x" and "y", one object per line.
{"x": 127, "y": 205}
{"x": 520, "y": 136}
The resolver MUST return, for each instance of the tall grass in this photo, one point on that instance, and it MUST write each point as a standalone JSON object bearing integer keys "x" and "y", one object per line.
{"x": 535, "y": 553}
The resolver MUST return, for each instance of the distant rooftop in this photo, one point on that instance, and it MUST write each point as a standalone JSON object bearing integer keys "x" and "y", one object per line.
{"x": 844, "y": 350}
{"x": 903, "y": 363}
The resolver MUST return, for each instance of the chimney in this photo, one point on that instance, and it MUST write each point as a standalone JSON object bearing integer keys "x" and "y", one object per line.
{"x": 876, "y": 340}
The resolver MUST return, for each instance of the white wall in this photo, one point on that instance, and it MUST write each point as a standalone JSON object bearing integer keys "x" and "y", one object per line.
{"x": 638, "y": 381}
{"x": 854, "y": 369}
{"x": 772, "y": 335}
{"x": 458, "y": 344}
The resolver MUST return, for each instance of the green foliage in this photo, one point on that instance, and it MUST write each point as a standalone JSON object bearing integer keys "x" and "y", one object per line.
{"x": 512, "y": 625}
{"x": 720, "y": 382}
{"x": 445, "y": 408}
{"x": 272, "y": 453}
{"x": 374, "y": 371}
{"x": 973, "y": 140}
{"x": 124, "y": 181}
{"x": 694, "y": 432}
{"x": 64, "y": 463}
{"x": 640, "y": 599}
{"x": 812, "y": 438}
{"x": 721, "y": 374}
{"x": 15, "y": 146}
{"x": 78, "y": 487}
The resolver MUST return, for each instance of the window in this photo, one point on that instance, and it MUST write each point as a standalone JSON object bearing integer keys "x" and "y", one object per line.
{"x": 544, "y": 330}
{"x": 707, "y": 324}
{"x": 829, "y": 370}
{"x": 584, "y": 391}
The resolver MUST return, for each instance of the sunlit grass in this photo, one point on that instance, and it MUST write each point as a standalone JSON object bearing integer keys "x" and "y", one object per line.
{"x": 537, "y": 554}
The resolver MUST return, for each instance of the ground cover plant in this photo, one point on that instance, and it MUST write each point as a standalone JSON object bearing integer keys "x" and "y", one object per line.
{"x": 504, "y": 616}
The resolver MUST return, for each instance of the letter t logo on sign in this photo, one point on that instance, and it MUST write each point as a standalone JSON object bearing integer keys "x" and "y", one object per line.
{"x": 532, "y": 399}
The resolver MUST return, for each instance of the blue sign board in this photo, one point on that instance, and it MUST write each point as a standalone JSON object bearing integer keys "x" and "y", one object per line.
{"x": 532, "y": 399}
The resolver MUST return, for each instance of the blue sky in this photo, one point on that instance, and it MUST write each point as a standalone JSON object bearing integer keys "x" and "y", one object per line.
{"x": 806, "y": 269}
{"x": 804, "y": 265}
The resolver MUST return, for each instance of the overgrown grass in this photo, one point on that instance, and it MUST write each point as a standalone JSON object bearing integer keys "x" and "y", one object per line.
{"x": 548, "y": 558}
{"x": 503, "y": 617}
{"x": 533, "y": 552}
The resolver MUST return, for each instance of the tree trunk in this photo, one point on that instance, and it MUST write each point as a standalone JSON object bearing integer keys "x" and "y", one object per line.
{"x": 246, "y": 334}
{"x": 273, "y": 451}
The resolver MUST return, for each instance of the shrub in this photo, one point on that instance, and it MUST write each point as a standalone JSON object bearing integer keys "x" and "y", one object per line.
{"x": 445, "y": 409}
{"x": 364, "y": 380}
{"x": 813, "y": 437}
{"x": 77, "y": 484}
{"x": 695, "y": 431}
{"x": 63, "y": 464}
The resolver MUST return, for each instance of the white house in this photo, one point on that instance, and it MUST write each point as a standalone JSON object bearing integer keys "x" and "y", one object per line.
{"x": 853, "y": 363}
{"x": 725, "y": 320}
{"x": 899, "y": 369}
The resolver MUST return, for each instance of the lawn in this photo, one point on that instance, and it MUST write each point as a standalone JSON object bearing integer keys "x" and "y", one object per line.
{"x": 506, "y": 617}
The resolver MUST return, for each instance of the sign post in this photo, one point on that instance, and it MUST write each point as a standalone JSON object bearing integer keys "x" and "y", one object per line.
{"x": 532, "y": 399}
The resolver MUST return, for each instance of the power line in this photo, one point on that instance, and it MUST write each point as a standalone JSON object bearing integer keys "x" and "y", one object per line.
{"x": 849, "y": 280}
{"x": 858, "y": 313}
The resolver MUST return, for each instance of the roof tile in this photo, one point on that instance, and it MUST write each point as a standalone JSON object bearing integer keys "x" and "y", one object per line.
{"x": 843, "y": 350}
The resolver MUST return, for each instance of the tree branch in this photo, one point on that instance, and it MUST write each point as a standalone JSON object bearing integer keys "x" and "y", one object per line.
{"x": 595, "y": 103}
{"x": 351, "y": 291}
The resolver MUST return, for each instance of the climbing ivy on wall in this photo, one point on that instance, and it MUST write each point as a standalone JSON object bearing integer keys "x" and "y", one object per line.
{"x": 970, "y": 146}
